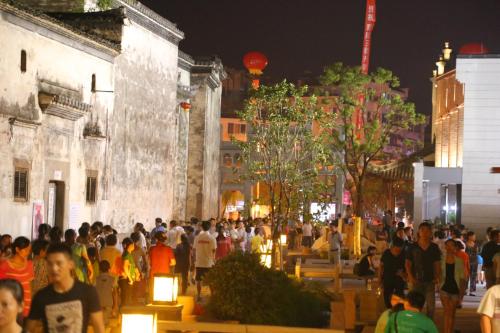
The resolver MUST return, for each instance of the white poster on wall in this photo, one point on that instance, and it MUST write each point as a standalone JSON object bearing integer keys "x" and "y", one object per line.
{"x": 74, "y": 216}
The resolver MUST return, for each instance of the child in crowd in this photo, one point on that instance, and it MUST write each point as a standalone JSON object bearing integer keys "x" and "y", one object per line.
{"x": 107, "y": 289}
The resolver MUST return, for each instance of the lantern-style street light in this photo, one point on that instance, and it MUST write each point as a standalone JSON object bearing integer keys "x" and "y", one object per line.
{"x": 165, "y": 289}
{"x": 134, "y": 321}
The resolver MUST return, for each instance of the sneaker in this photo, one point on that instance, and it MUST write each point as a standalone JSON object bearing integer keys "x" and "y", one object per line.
{"x": 472, "y": 294}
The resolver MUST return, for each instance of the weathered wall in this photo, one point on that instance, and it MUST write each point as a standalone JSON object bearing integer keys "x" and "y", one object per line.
{"x": 56, "y": 146}
{"x": 143, "y": 134}
{"x": 203, "y": 165}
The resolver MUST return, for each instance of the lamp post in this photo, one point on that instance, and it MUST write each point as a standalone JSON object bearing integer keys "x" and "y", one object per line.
{"x": 165, "y": 289}
{"x": 134, "y": 321}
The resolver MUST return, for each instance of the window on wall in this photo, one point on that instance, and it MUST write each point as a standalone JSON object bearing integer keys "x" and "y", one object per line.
{"x": 227, "y": 160}
{"x": 21, "y": 184}
{"x": 23, "y": 61}
{"x": 92, "y": 87}
{"x": 91, "y": 190}
{"x": 233, "y": 128}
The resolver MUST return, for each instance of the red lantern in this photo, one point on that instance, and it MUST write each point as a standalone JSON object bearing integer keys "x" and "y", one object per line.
{"x": 255, "y": 62}
{"x": 186, "y": 106}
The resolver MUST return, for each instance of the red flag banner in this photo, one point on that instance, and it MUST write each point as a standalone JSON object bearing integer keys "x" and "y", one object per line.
{"x": 370, "y": 20}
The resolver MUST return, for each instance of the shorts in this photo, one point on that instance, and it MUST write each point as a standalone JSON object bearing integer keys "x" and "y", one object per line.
{"x": 200, "y": 273}
{"x": 453, "y": 297}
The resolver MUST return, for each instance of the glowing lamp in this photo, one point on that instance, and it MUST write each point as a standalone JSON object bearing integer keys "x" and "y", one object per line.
{"x": 139, "y": 322}
{"x": 165, "y": 288}
{"x": 255, "y": 62}
{"x": 283, "y": 239}
{"x": 186, "y": 106}
{"x": 265, "y": 260}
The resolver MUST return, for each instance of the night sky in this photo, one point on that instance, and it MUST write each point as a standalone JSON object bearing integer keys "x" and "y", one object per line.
{"x": 301, "y": 36}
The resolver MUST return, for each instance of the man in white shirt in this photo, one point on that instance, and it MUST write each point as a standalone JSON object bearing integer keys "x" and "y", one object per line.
{"x": 242, "y": 236}
{"x": 489, "y": 309}
{"x": 204, "y": 247}
{"x": 174, "y": 234}
{"x": 307, "y": 238}
{"x": 335, "y": 242}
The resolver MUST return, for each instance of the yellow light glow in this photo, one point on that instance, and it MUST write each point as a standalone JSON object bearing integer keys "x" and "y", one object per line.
{"x": 133, "y": 323}
{"x": 165, "y": 288}
{"x": 265, "y": 260}
{"x": 283, "y": 239}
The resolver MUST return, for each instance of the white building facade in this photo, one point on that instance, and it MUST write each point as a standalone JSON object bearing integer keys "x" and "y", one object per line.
{"x": 466, "y": 128}
{"x": 91, "y": 123}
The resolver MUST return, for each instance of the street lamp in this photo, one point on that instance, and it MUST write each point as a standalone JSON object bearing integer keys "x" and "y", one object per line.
{"x": 165, "y": 289}
{"x": 139, "y": 321}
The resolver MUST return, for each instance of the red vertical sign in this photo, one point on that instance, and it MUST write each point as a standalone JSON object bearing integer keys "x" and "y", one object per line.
{"x": 370, "y": 20}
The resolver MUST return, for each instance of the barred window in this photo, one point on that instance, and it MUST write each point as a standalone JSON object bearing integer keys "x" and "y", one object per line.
{"x": 91, "y": 189}
{"x": 21, "y": 184}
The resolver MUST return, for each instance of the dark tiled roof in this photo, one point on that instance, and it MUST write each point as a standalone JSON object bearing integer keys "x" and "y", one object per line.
{"x": 22, "y": 10}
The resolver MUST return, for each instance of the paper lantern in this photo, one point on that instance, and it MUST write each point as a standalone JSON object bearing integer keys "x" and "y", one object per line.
{"x": 255, "y": 62}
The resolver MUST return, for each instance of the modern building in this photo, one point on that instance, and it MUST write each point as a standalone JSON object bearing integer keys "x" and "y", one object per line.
{"x": 466, "y": 127}
{"x": 103, "y": 118}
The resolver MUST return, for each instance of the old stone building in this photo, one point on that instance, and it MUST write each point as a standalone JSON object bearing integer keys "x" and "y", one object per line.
{"x": 95, "y": 117}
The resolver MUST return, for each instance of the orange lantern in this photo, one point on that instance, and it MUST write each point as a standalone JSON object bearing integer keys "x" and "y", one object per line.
{"x": 186, "y": 106}
{"x": 255, "y": 62}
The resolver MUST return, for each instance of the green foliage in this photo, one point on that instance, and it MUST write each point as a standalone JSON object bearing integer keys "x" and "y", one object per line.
{"x": 104, "y": 4}
{"x": 383, "y": 112}
{"x": 281, "y": 150}
{"x": 244, "y": 290}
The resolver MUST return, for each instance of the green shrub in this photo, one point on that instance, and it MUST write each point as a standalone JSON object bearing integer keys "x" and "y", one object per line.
{"x": 244, "y": 290}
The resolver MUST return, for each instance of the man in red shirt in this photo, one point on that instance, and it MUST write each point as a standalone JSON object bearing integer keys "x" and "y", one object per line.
{"x": 161, "y": 256}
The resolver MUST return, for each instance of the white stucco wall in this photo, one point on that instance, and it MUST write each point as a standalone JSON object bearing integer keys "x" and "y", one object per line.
{"x": 57, "y": 144}
{"x": 481, "y": 138}
{"x": 144, "y": 129}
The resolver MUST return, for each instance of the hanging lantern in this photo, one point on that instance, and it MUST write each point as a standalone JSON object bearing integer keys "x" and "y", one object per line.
{"x": 255, "y": 62}
{"x": 186, "y": 106}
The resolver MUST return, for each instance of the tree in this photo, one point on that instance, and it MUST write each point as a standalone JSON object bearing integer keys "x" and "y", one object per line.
{"x": 281, "y": 150}
{"x": 383, "y": 112}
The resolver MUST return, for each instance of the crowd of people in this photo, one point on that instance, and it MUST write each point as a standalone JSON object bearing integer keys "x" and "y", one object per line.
{"x": 62, "y": 281}
{"x": 68, "y": 280}
{"x": 446, "y": 260}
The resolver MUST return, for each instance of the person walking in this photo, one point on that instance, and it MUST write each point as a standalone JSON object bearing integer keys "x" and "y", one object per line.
{"x": 423, "y": 266}
{"x": 392, "y": 271}
{"x": 307, "y": 234}
{"x": 183, "y": 261}
{"x": 19, "y": 268}
{"x": 223, "y": 243}
{"x": 335, "y": 244}
{"x": 66, "y": 304}
{"x": 411, "y": 318}
{"x": 83, "y": 268}
{"x": 129, "y": 273}
{"x": 488, "y": 252}
{"x": 452, "y": 277}
{"x": 11, "y": 300}
{"x": 205, "y": 246}
{"x": 490, "y": 311}
{"x": 41, "y": 274}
